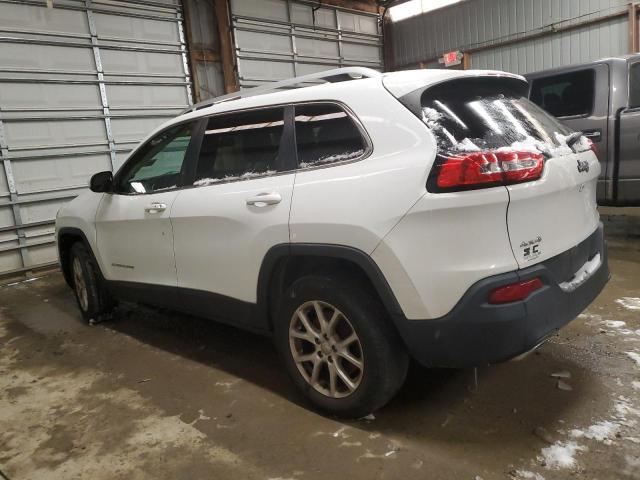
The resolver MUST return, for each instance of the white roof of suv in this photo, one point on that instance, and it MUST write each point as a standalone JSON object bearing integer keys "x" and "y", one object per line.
{"x": 398, "y": 83}
{"x": 340, "y": 80}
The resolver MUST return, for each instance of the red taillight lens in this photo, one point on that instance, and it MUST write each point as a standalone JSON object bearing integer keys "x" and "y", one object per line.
{"x": 489, "y": 168}
{"x": 515, "y": 291}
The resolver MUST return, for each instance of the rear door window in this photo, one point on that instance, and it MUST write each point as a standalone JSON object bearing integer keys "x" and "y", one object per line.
{"x": 240, "y": 146}
{"x": 483, "y": 115}
{"x": 634, "y": 85}
{"x": 326, "y": 134}
{"x": 567, "y": 95}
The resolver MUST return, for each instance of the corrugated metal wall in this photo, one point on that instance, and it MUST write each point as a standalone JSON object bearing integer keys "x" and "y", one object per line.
{"x": 81, "y": 83}
{"x": 278, "y": 39}
{"x": 515, "y": 35}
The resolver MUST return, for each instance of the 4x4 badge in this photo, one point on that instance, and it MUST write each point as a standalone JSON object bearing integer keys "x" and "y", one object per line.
{"x": 583, "y": 166}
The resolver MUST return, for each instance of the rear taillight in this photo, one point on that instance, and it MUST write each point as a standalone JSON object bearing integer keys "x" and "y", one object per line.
{"x": 515, "y": 292}
{"x": 485, "y": 169}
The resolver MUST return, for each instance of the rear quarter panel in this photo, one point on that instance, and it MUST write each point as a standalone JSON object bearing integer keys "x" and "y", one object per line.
{"x": 357, "y": 203}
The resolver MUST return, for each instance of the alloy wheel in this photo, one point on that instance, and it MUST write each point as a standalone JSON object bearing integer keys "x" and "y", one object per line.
{"x": 326, "y": 349}
{"x": 80, "y": 284}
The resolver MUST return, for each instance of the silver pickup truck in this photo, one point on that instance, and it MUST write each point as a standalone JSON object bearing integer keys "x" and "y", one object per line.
{"x": 601, "y": 99}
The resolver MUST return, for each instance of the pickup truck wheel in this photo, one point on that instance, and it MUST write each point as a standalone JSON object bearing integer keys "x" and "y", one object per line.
{"x": 339, "y": 347}
{"x": 91, "y": 295}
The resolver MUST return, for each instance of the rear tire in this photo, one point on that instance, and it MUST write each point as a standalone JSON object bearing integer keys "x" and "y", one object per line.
{"x": 339, "y": 346}
{"x": 92, "y": 296}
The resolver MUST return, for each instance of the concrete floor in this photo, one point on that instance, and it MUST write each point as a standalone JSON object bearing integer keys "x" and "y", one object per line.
{"x": 159, "y": 395}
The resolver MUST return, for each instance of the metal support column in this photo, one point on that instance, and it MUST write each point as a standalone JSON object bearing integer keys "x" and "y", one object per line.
{"x": 341, "y": 60}
{"x": 13, "y": 196}
{"x": 294, "y": 48}
{"x": 185, "y": 64}
{"x": 101, "y": 83}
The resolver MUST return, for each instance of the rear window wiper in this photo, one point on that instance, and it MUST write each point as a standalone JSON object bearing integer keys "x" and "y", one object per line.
{"x": 573, "y": 138}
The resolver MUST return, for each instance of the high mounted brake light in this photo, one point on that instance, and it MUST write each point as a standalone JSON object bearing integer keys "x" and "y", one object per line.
{"x": 488, "y": 169}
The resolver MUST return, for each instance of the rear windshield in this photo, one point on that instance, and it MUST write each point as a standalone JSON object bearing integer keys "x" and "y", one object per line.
{"x": 476, "y": 116}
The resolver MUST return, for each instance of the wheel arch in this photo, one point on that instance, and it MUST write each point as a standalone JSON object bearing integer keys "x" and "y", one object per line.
{"x": 66, "y": 237}
{"x": 284, "y": 263}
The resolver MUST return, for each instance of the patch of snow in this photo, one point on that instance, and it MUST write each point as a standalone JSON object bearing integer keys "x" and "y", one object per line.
{"x": 635, "y": 384}
{"x": 563, "y": 149}
{"x": 635, "y": 356}
{"x": 624, "y": 409}
{"x": 341, "y": 433}
{"x": 582, "y": 275}
{"x": 431, "y": 117}
{"x": 562, "y": 385}
{"x": 368, "y": 454}
{"x": 527, "y": 475}
{"x": 600, "y": 431}
{"x": 591, "y": 317}
{"x": 630, "y": 303}
{"x": 350, "y": 444}
{"x": 467, "y": 145}
{"x": 582, "y": 145}
{"x": 338, "y": 157}
{"x": 561, "y": 455}
{"x": 614, "y": 323}
{"x": 530, "y": 144}
{"x": 245, "y": 176}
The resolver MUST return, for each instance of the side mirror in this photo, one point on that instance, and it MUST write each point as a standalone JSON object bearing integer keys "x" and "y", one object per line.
{"x": 101, "y": 182}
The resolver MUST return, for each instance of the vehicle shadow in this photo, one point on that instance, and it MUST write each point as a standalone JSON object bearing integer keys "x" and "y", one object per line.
{"x": 509, "y": 402}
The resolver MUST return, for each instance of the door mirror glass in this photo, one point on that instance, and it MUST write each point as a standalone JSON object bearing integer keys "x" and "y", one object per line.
{"x": 101, "y": 182}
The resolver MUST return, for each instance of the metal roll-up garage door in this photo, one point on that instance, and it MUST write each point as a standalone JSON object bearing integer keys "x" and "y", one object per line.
{"x": 81, "y": 82}
{"x": 278, "y": 39}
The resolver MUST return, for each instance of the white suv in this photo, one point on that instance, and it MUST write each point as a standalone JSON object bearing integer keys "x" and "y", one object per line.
{"x": 430, "y": 214}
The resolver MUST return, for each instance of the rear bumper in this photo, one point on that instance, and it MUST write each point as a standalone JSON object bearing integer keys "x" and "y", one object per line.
{"x": 476, "y": 333}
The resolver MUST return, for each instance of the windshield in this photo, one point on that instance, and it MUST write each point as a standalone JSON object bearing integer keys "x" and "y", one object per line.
{"x": 483, "y": 116}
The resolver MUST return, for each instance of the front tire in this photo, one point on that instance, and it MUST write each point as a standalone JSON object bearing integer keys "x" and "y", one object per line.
{"x": 93, "y": 299}
{"x": 338, "y": 345}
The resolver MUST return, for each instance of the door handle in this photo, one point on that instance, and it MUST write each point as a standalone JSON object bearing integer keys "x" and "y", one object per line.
{"x": 155, "y": 207}
{"x": 264, "y": 199}
{"x": 593, "y": 135}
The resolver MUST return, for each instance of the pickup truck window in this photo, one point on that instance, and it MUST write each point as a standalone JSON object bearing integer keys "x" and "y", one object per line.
{"x": 634, "y": 85}
{"x": 566, "y": 95}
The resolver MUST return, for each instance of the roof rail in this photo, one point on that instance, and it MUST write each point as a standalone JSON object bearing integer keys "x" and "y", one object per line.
{"x": 328, "y": 76}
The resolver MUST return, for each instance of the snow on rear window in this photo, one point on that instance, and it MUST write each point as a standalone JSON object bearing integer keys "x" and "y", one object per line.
{"x": 491, "y": 120}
